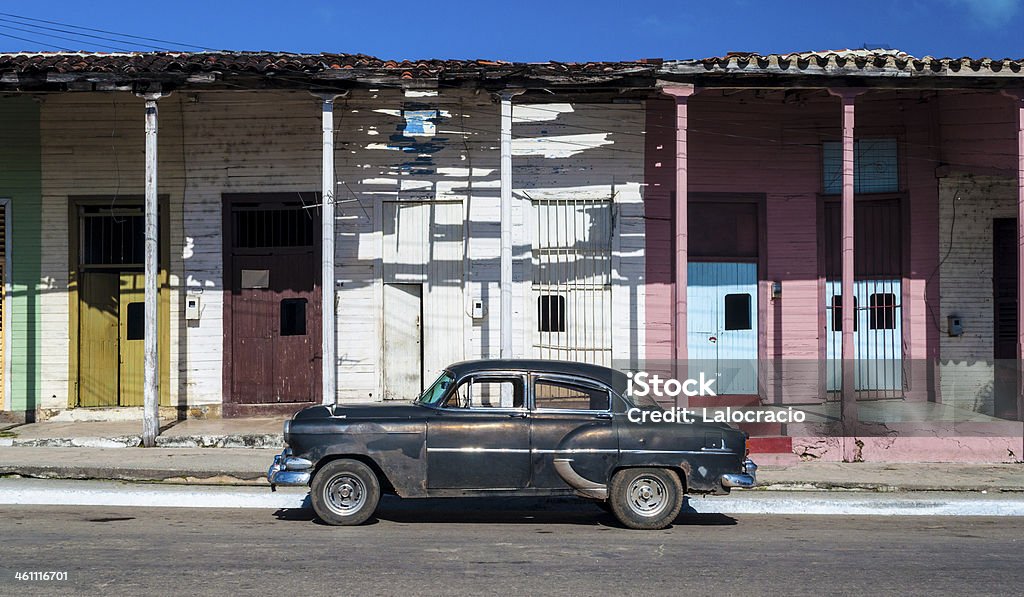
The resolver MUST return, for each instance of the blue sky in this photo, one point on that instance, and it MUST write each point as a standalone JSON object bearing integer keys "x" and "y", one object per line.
{"x": 530, "y": 30}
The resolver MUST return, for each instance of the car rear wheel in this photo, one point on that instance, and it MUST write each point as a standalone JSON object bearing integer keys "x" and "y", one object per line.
{"x": 345, "y": 492}
{"x": 646, "y": 498}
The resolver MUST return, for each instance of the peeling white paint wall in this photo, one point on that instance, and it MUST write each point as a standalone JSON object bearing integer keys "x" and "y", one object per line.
{"x": 242, "y": 142}
{"x": 966, "y": 362}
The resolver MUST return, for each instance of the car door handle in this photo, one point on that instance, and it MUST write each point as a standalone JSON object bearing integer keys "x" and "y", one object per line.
{"x": 603, "y": 415}
{"x": 517, "y": 415}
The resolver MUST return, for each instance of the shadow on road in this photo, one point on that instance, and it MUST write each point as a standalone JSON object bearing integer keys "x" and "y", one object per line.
{"x": 503, "y": 510}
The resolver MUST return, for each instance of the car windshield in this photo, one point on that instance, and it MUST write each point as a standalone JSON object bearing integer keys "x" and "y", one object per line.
{"x": 437, "y": 390}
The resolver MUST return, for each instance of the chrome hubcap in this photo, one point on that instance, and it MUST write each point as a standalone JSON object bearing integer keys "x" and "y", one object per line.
{"x": 648, "y": 496}
{"x": 345, "y": 494}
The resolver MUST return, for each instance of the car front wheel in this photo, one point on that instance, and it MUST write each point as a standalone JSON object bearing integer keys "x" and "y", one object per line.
{"x": 646, "y": 498}
{"x": 345, "y": 492}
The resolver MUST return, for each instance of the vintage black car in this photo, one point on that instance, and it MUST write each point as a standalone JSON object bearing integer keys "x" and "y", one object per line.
{"x": 511, "y": 428}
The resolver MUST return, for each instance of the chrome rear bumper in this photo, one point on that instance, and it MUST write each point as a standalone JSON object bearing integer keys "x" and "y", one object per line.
{"x": 289, "y": 470}
{"x": 744, "y": 480}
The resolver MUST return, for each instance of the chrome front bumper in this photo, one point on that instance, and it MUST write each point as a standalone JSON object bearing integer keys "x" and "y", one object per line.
{"x": 744, "y": 480}
{"x": 289, "y": 470}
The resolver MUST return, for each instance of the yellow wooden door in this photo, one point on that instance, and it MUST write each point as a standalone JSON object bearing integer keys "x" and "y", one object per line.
{"x": 131, "y": 334}
{"x": 98, "y": 339}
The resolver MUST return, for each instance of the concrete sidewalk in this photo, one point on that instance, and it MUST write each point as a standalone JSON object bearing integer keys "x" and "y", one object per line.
{"x": 191, "y": 433}
{"x": 247, "y": 466}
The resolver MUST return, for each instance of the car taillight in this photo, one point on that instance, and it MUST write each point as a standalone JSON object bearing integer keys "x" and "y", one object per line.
{"x": 746, "y": 447}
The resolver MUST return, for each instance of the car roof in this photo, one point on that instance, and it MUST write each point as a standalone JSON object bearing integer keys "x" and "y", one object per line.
{"x": 616, "y": 379}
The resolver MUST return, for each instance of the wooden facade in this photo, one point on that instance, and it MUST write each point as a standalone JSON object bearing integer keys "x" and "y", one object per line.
{"x": 215, "y": 146}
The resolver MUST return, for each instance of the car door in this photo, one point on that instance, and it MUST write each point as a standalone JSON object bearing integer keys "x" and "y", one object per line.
{"x": 571, "y": 419}
{"x": 480, "y": 437}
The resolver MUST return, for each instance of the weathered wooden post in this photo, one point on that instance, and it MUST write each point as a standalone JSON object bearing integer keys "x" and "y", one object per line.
{"x": 151, "y": 368}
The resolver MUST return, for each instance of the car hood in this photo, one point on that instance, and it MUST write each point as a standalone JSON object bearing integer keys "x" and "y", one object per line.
{"x": 378, "y": 410}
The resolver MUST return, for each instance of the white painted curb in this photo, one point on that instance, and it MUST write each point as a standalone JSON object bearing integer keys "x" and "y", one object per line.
{"x": 163, "y": 497}
{"x": 57, "y": 493}
{"x": 875, "y": 505}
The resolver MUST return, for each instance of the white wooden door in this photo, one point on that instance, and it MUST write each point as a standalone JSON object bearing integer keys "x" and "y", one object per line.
{"x": 403, "y": 341}
{"x": 423, "y": 246}
{"x": 721, "y": 324}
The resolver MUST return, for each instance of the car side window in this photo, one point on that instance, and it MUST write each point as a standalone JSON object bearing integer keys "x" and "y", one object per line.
{"x": 550, "y": 394}
{"x": 488, "y": 392}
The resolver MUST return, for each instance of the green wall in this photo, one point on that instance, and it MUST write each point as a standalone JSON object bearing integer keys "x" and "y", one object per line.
{"x": 21, "y": 182}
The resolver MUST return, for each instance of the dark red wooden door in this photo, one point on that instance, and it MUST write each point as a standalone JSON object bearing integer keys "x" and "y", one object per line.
{"x": 274, "y": 340}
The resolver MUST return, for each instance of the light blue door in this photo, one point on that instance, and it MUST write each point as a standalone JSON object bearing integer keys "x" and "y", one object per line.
{"x": 721, "y": 325}
{"x": 877, "y": 335}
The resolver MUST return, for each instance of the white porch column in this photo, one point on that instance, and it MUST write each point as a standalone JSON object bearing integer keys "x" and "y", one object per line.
{"x": 505, "y": 280}
{"x": 328, "y": 328}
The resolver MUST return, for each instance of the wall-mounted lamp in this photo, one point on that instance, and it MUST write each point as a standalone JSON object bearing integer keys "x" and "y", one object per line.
{"x": 776, "y": 290}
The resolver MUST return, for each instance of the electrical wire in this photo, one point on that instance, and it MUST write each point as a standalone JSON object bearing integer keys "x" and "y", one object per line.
{"x": 65, "y": 38}
{"x": 34, "y": 41}
{"x": 115, "y": 33}
{"x": 117, "y": 163}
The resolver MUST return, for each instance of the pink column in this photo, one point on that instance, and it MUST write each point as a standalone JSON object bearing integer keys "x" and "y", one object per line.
{"x": 848, "y": 406}
{"x": 681, "y": 94}
{"x": 848, "y": 401}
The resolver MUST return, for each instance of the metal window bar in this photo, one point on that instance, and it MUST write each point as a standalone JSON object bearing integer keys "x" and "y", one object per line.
{"x": 572, "y": 260}
{"x": 111, "y": 238}
{"x": 878, "y": 349}
{"x": 260, "y": 228}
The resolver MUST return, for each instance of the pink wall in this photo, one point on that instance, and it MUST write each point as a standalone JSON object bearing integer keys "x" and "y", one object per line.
{"x": 659, "y": 175}
{"x": 769, "y": 142}
{"x": 978, "y": 132}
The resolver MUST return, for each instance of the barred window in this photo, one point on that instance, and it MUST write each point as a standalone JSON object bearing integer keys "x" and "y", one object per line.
{"x": 875, "y": 167}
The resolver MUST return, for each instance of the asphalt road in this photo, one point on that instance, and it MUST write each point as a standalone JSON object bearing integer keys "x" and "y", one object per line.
{"x": 462, "y": 547}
